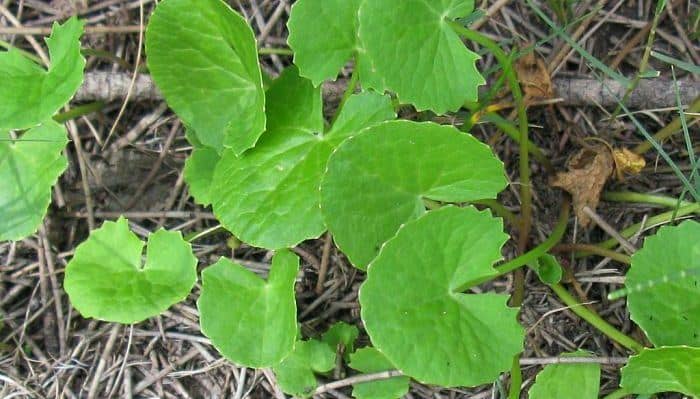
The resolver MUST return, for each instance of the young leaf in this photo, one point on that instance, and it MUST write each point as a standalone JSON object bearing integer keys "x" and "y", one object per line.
{"x": 669, "y": 314}
{"x": 665, "y": 369}
{"x": 252, "y": 322}
{"x": 295, "y": 373}
{"x": 203, "y": 57}
{"x": 427, "y": 64}
{"x": 571, "y": 381}
{"x": 370, "y": 360}
{"x": 268, "y": 196}
{"x": 323, "y": 35}
{"x": 29, "y": 167}
{"x": 29, "y": 94}
{"x": 548, "y": 269}
{"x": 437, "y": 334}
{"x": 341, "y": 333}
{"x": 105, "y": 279}
{"x": 394, "y": 166}
{"x": 199, "y": 169}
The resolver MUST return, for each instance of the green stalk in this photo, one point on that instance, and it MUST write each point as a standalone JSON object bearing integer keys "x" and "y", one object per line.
{"x": 498, "y": 209}
{"x": 278, "y": 51}
{"x": 516, "y": 378}
{"x": 78, "y": 111}
{"x": 594, "y": 249}
{"x": 595, "y": 320}
{"x": 354, "y": 79}
{"x": 641, "y": 198}
{"x": 529, "y": 257}
{"x": 668, "y": 130}
{"x": 512, "y": 132}
{"x": 524, "y": 161}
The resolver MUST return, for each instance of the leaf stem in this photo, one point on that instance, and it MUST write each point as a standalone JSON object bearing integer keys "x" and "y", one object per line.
{"x": 278, "y": 51}
{"x": 524, "y": 161}
{"x": 78, "y": 111}
{"x": 594, "y": 249}
{"x": 352, "y": 85}
{"x": 595, "y": 320}
{"x": 668, "y": 130}
{"x": 642, "y": 198}
{"x": 516, "y": 378}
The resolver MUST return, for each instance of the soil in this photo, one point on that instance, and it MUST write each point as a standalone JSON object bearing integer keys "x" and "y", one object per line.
{"x": 139, "y": 174}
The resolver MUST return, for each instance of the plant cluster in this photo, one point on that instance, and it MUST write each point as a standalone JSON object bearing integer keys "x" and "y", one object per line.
{"x": 396, "y": 196}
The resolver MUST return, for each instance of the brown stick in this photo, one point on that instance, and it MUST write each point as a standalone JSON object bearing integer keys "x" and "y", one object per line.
{"x": 653, "y": 93}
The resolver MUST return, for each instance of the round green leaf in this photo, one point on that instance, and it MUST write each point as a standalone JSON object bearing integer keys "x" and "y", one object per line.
{"x": 29, "y": 167}
{"x": 409, "y": 48}
{"x": 105, "y": 279}
{"x": 295, "y": 373}
{"x": 666, "y": 369}
{"x": 29, "y": 94}
{"x": 416, "y": 317}
{"x": 377, "y": 180}
{"x": 252, "y": 322}
{"x": 321, "y": 49}
{"x": 669, "y": 312}
{"x": 370, "y": 360}
{"x": 570, "y": 381}
{"x": 203, "y": 57}
{"x": 268, "y": 196}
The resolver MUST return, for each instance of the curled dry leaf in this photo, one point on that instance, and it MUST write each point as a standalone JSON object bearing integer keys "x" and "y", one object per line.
{"x": 627, "y": 161}
{"x": 534, "y": 77}
{"x": 588, "y": 171}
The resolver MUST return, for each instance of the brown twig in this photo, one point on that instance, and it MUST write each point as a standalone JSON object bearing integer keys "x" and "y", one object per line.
{"x": 323, "y": 268}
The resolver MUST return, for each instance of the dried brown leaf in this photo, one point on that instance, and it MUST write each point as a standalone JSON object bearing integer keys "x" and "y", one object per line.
{"x": 588, "y": 171}
{"x": 627, "y": 161}
{"x": 534, "y": 77}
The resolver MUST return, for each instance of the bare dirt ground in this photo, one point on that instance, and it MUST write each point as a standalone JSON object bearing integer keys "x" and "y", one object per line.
{"x": 48, "y": 350}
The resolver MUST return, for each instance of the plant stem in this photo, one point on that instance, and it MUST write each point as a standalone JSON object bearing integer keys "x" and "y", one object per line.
{"x": 512, "y": 132}
{"x": 668, "y": 130}
{"x": 516, "y": 378}
{"x": 352, "y": 84}
{"x": 622, "y": 258}
{"x": 498, "y": 209}
{"x": 595, "y": 320}
{"x": 79, "y": 110}
{"x": 529, "y": 257}
{"x": 524, "y": 161}
{"x": 278, "y": 51}
{"x": 641, "y": 198}
{"x": 619, "y": 394}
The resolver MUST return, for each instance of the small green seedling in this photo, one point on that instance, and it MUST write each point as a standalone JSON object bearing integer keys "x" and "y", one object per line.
{"x": 31, "y": 162}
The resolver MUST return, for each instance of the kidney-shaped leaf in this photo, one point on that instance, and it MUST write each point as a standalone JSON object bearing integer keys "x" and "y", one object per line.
{"x": 378, "y": 179}
{"x": 268, "y": 196}
{"x": 323, "y": 35}
{"x": 668, "y": 311}
{"x": 295, "y": 373}
{"x": 571, "y": 381}
{"x": 370, "y": 360}
{"x": 252, "y": 322}
{"x": 666, "y": 369}
{"x": 107, "y": 281}
{"x": 29, "y": 167}
{"x": 203, "y": 58}
{"x": 29, "y": 94}
{"x": 409, "y": 48}
{"x": 416, "y": 316}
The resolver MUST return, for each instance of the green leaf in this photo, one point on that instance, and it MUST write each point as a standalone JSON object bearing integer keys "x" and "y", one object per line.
{"x": 370, "y": 360}
{"x": 571, "y": 381}
{"x": 437, "y": 334}
{"x": 669, "y": 312}
{"x": 409, "y": 48}
{"x": 323, "y": 35}
{"x": 203, "y": 57}
{"x": 29, "y": 167}
{"x": 199, "y": 170}
{"x": 341, "y": 333}
{"x": 378, "y": 180}
{"x": 295, "y": 373}
{"x": 548, "y": 269}
{"x": 268, "y": 196}
{"x": 252, "y": 322}
{"x": 666, "y": 369}
{"x": 105, "y": 279}
{"x": 29, "y": 94}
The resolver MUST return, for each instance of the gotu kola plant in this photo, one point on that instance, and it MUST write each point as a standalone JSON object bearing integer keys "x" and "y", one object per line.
{"x": 276, "y": 173}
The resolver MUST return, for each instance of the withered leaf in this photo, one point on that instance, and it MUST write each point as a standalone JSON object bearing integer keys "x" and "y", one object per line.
{"x": 627, "y": 161}
{"x": 534, "y": 77}
{"x": 588, "y": 170}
